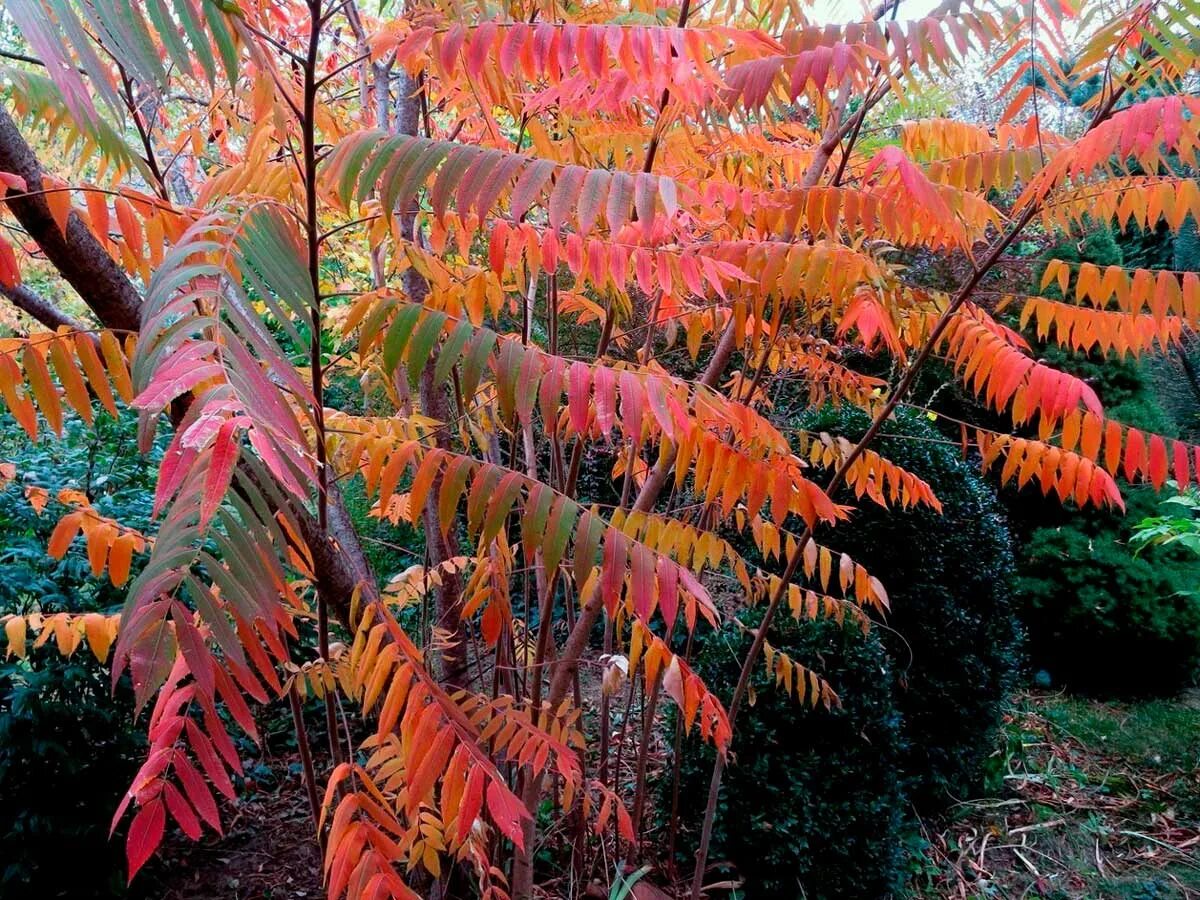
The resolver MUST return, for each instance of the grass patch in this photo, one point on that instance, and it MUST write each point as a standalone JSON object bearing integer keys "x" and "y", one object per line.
{"x": 1160, "y": 734}
{"x": 1088, "y": 800}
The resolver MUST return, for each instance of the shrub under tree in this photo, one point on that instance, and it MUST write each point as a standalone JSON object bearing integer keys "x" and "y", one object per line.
{"x": 812, "y": 803}
{"x": 952, "y": 630}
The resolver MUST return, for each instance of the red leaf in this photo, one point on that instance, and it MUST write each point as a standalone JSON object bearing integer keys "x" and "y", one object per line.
{"x": 197, "y": 791}
{"x": 1158, "y": 462}
{"x": 13, "y": 182}
{"x": 195, "y": 652}
{"x": 579, "y": 385}
{"x": 1180, "y": 457}
{"x": 451, "y": 45}
{"x": 224, "y": 457}
{"x": 169, "y": 384}
{"x": 668, "y": 591}
{"x": 181, "y": 811}
{"x": 633, "y": 406}
{"x": 10, "y": 271}
{"x": 480, "y": 45}
{"x": 507, "y": 812}
{"x": 145, "y": 834}
{"x": 472, "y": 801}
{"x": 606, "y": 398}
{"x": 612, "y": 573}
{"x": 1135, "y": 454}
{"x": 642, "y": 582}
{"x": 209, "y": 761}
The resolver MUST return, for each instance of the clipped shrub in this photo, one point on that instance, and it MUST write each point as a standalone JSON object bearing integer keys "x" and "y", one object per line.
{"x": 953, "y": 635}
{"x": 1102, "y": 620}
{"x": 810, "y": 804}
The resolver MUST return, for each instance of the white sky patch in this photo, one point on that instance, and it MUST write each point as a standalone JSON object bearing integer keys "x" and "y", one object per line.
{"x": 842, "y": 11}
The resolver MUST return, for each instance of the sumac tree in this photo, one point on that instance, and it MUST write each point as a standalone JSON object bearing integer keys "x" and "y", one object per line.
{"x": 512, "y": 225}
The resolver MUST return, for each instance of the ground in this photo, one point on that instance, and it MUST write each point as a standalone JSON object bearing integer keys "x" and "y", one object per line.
{"x": 1091, "y": 800}
{"x": 266, "y": 853}
{"x": 1088, "y": 799}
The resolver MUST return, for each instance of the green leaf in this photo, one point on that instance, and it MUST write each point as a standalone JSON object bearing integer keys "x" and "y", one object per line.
{"x": 451, "y": 350}
{"x": 398, "y": 333}
{"x": 422, "y": 343}
{"x": 558, "y": 533}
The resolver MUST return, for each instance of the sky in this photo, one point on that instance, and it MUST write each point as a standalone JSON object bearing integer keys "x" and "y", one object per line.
{"x": 830, "y": 11}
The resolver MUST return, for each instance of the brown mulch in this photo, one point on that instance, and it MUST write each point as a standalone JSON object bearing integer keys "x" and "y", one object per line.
{"x": 267, "y": 852}
{"x": 1071, "y": 823}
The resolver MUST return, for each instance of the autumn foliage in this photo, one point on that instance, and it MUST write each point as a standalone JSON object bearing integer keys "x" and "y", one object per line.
{"x": 524, "y": 234}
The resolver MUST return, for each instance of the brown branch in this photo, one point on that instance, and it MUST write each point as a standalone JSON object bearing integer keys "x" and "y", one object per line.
{"x": 21, "y": 57}
{"x": 41, "y": 309}
{"x": 75, "y": 252}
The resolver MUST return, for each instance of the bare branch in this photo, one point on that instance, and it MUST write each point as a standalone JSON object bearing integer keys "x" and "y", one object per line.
{"x": 40, "y": 308}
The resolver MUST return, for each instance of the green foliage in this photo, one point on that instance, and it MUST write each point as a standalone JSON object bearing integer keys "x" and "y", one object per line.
{"x": 389, "y": 548}
{"x": 811, "y": 802}
{"x": 103, "y": 463}
{"x": 1099, "y": 245}
{"x": 1148, "y": 248}
{"x": 67, "y": 753}
{"x": 1186, "y": 247}
{"x": 1102, "y": 619}
{"x": 952, "y": 634}
{"x": 68, "y": 745}
{"x": 1180, "y": 523}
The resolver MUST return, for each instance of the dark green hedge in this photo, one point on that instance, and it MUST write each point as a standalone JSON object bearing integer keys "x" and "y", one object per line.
{"x": 1102, "y": 620}
{"x": 810, "y": 803}
{"x": 952, "y": 631}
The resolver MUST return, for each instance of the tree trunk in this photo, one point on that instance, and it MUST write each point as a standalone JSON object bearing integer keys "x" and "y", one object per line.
{"x": 435, "y": 403}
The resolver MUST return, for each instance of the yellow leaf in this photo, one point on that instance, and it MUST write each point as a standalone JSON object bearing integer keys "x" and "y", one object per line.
{"x": 114, "y": 358}
{"x": 42, "y": 387}
{"x": 89, "y": 357}
{"x": 432, "y": 861}
{"x": 14, "y": 631}
{"x": 119, "y": 557}
{"x": 99, "y": 537}
{"x": 71, "y": 380}
{"x": 64, "y": 532}
{"x": 99, "y": 636}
